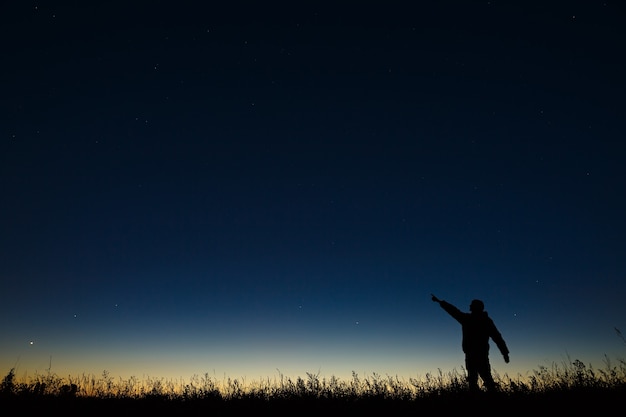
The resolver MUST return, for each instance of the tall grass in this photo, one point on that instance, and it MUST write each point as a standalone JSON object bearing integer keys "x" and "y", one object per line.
{"x": 570, "y": 376}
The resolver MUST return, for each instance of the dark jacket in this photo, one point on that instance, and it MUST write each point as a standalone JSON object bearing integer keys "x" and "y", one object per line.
{"x": 477, "y": 329}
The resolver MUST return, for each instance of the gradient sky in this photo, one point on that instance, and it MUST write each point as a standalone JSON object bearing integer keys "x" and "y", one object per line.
{"x": 256, "y": 190}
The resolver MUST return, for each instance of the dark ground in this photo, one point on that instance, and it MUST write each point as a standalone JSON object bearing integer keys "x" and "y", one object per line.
{"x": 561, "y": 403}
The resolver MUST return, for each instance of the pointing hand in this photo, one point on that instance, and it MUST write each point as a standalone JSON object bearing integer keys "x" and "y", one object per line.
{"x": 506, "y": 358}
{"x": 434, "y": 298}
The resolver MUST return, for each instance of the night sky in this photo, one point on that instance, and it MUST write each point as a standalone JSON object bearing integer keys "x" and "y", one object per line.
{"x": 257, "y": 189}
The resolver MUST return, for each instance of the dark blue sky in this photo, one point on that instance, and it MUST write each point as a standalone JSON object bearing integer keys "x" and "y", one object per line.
{"x": 189, "y": 188}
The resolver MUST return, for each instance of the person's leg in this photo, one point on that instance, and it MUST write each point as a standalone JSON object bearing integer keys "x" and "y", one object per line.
{"x": 484, "y": 370}
{"x": 472, "y": 372}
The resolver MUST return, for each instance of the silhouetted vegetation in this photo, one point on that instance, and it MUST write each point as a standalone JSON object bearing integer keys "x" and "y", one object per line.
{"x": 567, "y": 387}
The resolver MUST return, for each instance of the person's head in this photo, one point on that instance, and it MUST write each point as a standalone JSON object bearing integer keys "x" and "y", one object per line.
{"x": 477, "y": 306}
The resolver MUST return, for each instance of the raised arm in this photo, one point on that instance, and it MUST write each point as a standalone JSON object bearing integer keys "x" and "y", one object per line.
{"x": 450, "y": 309}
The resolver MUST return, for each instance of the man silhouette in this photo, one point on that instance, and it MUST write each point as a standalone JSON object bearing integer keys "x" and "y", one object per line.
{"x": 477, "y": 328}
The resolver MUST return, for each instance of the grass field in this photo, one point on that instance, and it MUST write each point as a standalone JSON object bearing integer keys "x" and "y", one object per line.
{"x": 571, "y": 387}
